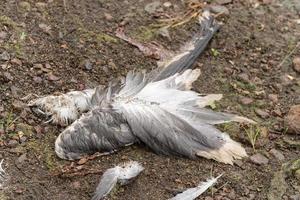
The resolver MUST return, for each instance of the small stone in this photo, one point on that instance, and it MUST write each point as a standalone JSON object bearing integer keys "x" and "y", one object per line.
{"x": 16, "y": 61}
{"x": 167, "y": 4}
{"x": 88, "y": 65}
{"x": 164, "y": 32}
{"x": 246, "y": 100}
{"x": 82, "y": 161}
{"x": 261, "y": 113}
{"x": 25, "y": 6}
{"x": 12, "y": 143}
{"x": 296, "y": 64}
{"x": 37, "y": 79}
{"x": 259, "y": 159}
{"x": 151, "y": 8}
{"x": 232, "y": 195}
{"x": 244, "y": 77}
{"x": 23, "y": 139}
{"x": 108, "y": 16}
{"x": 4, "y": 56}
{"x": 292, "y": 120}
{"x": 273, "y": 97}
{"x": 18, "y": 105}
{"x": 76, "y": 184}
{"x": 277, "y": 154}
{"x": 52, "y": 77}
{"x": 46, "y": 28}
{"x": 8, "y": 76}
{"x": 218, "y": 9}
{"x": 239, "y": 163}
{"x": 3, "y": 35}
{"x": 223, "y": 2}
{"x": 41, "y": 6}
{"x": 208, "y": 198}
{"x": 22, "y": 158}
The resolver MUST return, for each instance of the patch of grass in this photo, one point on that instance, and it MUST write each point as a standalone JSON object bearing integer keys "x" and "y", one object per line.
{"x": 7, "y": 21}
{"x": 214, "y": 52}
{"x": 16, "y": 43}
{"x": 46, "y": 153}
{"x": 145, "y": 33}
{"x": 253, "y": 133}
{"x": 98, "y": 37}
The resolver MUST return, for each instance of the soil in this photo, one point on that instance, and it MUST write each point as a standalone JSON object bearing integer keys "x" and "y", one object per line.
{"x": 58, "y": 46}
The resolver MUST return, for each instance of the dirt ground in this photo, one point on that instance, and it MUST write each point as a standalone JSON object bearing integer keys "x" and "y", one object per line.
{"x": 57, "y": 46}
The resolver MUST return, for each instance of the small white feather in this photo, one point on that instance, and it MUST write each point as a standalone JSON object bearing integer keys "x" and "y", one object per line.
{"x": 193, "y": 193}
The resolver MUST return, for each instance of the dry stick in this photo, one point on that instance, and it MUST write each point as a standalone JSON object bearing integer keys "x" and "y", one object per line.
{"x": 288, "y": 55}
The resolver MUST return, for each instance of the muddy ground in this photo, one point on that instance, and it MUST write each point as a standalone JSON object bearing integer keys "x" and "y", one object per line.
{"x": 57, "y": 46}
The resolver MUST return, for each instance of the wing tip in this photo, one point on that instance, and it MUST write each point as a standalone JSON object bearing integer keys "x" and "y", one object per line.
{"x": 227, "y": 153}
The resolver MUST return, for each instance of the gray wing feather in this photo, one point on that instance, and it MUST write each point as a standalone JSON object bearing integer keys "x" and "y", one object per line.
{"x": 100, "y": 130}
{"x": 165, "y": 133}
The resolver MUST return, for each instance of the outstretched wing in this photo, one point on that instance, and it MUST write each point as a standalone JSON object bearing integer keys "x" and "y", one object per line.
{"x": 168, "y": 117}
{"x": 100, "y": 130}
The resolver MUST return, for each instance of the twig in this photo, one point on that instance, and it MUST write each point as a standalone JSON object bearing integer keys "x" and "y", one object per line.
{"x": 288, "y": 55}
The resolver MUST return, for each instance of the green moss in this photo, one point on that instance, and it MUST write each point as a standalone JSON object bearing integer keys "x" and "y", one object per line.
{"x": 145, "y": 33}
{"x": 7, "y": 21}
{"x": 97, "y": 37}
{"x": 45, "y": 151}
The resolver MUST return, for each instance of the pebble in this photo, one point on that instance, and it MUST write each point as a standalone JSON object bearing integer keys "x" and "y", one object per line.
{"x": 223, "y": 2}
{"x": 16, "y": 61}
{"x": 76, "y": 184}
{"x": 246, "y": 100}
{"x": 12, "y": 143}
{"x": 218, "y": 9}
{"x": 244, "y": 77}
{"x": 261, "y": 113}
{"x": 295, "y": 197}
{"x": 45, "y": 28}
{"x": 277, "y": 154}
{"x": 8, "y": 76}
{"x": 4, "y": 56}
{"x": 151, "y": 8}
{"x": 296, "y": 64}
{"x": 25, "y": 6}
{"x": 167, "y": 4}
{"x": 292, "y": 120}
{"x": 88, "y": 65}
{"x": 52, "y": 77}
{"x": 108, "y": 16}
{"x": 41, "y": 6}
{"x": 22, "y": 158}
{"x": 3, "y": 35}
{"x": 273, "y": 97}
{"x": 259, "y": 159}
{"x": 164, "y": 32}
{"x": 37, "y": 79}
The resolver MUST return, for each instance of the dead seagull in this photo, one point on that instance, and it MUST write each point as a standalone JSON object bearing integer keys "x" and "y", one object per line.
{"x": 157, "y": 108}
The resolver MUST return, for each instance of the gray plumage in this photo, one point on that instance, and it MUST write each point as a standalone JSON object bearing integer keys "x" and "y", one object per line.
{"x": 158, "y": 109}
{"x": 121, "y": 174}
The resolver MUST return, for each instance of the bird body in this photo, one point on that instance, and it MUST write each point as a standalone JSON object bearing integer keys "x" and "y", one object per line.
{"x": 157, "y": 108}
